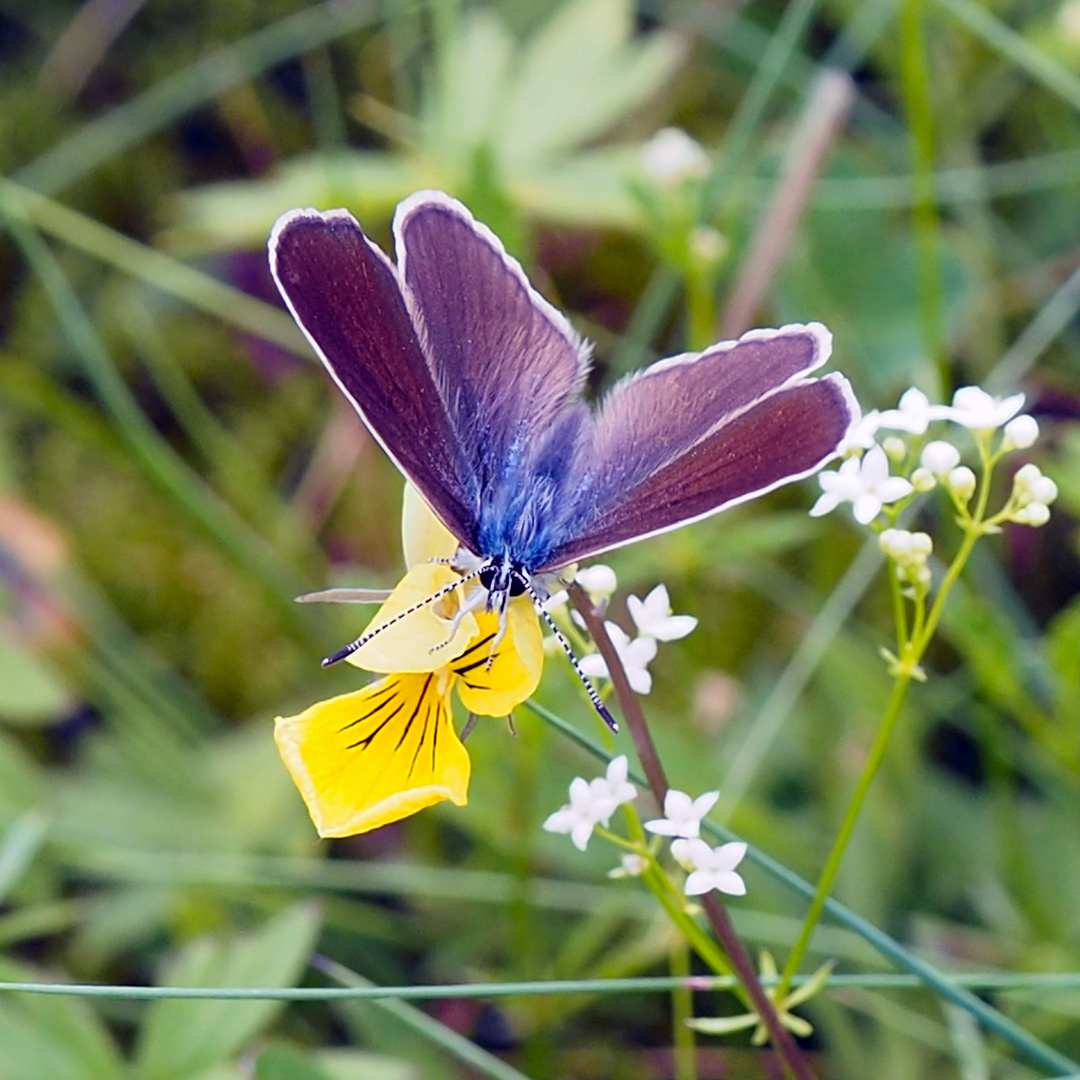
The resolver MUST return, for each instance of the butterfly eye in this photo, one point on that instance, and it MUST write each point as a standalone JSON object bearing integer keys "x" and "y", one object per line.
{"x": 487, "y": 577}
{"x": 517, "y": 585}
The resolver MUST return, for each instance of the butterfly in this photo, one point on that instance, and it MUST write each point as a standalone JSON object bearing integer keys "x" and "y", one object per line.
{"x": 472, "y": 383}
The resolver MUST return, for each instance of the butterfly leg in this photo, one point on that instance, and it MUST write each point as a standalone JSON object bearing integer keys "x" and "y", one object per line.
{"x": 472, "y": 602}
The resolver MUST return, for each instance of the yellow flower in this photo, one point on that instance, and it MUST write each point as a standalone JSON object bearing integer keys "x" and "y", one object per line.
{"x": 379, "y": 754}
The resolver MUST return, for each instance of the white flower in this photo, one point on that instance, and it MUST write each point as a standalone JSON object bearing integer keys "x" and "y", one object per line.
{"x": 613, "y": 789}
{"x": 865, "y": 483}
{"x": 635, "y": 655}
{"x": 592, "y": 803}
{"x": 671, "y": 156}
{"x": 579, "y": 817}
{"x": 682, "y": 815}
{"x": 972, "y": 407}
{"x": 861, "y": 435}
{"x": 940, "y": 457}
{"x": 914, "y": 414}
{"x": 652, "y": 616}
{"x": 714, "y": 868}
{"x": 1020, "y": 433}
{"x": 680, "y": 852}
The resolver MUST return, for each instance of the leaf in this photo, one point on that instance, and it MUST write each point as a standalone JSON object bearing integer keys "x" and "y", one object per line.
{"x": 578, "y": 76}
{"x": 468, "y": 91}
{"x": 184, "y": 1038}
{"x": 282, "y": 1062}
{"x": 240, "y": 214}
{"x": 44, "y": 1037}
{"x": 30, "y": 691}
{"x": 358, "y": 1065}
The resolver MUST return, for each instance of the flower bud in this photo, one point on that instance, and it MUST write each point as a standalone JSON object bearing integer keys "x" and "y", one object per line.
{"x": 1020, "y": 433}
{"x": 895, "y": 447}
{"x": 961, "y": 482}
{"x": 896, "y": 543}
{"x": 1044, "y": 490}
{"x": 708, "y": 245}
{"x": 922, "y": 480}
{"x": 921, "y": 545}
{"x": 940, "y": 457}
{"x": 1034, "y": 514}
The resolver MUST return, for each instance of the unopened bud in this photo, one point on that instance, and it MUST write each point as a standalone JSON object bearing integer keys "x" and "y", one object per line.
{"x": 895, "y": 447}
{"x": 923, "y": 480}
{"x": 940, "y": 457}
{"x": 1034, "y": 514}
{"x": 1020, "y": 433}
{"x": 961, "y": 481}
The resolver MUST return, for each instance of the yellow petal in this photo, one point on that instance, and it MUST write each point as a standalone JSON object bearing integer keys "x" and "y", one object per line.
{"x": 417, "y": 642}
{"x": 365, "y": 759}
{"x": 423, "y": 536}
{"x": 514, "y": 673}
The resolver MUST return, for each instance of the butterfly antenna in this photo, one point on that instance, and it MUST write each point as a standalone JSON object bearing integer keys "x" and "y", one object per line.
{"x": 364, "y": 638}
{"x": 560, "y": 637}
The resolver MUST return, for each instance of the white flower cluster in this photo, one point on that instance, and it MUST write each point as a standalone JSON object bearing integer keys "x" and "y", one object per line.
{"x": 654, "y": 622}
{"x": 592, "y": 802}
{"x": 866, "y": 483}
{"x": 910, "y": 552}
{"x": 1032, "y": 495}
{"x": 707, "y": 867}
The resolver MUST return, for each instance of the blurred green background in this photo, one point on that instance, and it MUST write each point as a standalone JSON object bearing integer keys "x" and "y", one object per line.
{"x": 174, "y": 468}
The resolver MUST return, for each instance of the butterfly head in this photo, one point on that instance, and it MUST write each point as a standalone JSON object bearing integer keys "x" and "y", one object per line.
{"x": 503, "y": 580}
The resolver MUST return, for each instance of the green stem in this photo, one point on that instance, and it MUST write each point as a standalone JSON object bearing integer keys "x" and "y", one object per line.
{"x": 915, "y": 83}
{"x": 909, "y": 656}
{"x": 828, "y": 875}
{"x": 682, "y": 1009}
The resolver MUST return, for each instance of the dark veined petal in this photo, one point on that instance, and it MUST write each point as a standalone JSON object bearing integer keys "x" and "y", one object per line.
{"x": 375, "y": 756}
{"x": 514, "y": 673}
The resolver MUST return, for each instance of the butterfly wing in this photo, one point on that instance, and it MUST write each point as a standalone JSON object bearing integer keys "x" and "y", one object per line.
{"x": 508, "y": 364}
{"x": 693, "y": 435}
{"x": 348, "y": 300}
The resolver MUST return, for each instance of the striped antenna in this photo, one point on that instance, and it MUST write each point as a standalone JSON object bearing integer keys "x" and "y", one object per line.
{"x": 594, "y": 697}
{"x": 364, "y": 638}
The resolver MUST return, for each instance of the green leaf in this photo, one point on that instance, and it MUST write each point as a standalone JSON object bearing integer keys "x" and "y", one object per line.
{"x": 44, "y": 1037}
{"x": 239, "y": 215}
{"x": 282, "y": 1062}
{"x": 358, "y": 1065}
{"x": 184, "y": 1038}
{"x": 19, "y": 845}
{"x": 30, "y": 691}
{"x": 578, "y": 76}
{"x": 470, "y": 87}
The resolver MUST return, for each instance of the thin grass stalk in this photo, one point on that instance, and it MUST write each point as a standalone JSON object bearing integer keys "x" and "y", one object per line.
{"x": 915, "y": 83}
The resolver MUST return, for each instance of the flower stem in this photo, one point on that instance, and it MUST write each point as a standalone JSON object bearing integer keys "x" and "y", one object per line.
{"x": 786, "y": 1047}
{"x": 910, "y": 649}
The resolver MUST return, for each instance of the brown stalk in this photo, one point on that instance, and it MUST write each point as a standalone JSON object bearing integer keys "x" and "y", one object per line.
{"x": 782, "y": 1040}
{"x": 821, "y": 120}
